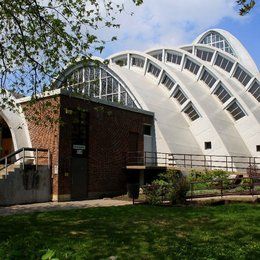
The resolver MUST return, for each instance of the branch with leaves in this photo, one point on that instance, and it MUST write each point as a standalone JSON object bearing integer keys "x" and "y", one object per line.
{"x": 38, "y": 38}
{"x": 246, "y": 6}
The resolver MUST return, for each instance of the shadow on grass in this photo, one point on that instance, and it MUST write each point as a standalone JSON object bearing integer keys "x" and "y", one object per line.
{"x": 141, "y": 231}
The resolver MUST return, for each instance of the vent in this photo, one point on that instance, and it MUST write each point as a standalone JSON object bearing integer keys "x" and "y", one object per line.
{"x": 207, "y": 145}
{"x": 191, "y": 113}
{"x": 224, "y": 63}
{"x": 255, "y": 91}
{"x": 242, "y": 76}
{"x": 138, "y": 62}
{"x": 222, "y": 94}
{"x": 174, "y": 58}
{"x": 235, "y": 110}
{"x": 204, "y": 55}
{"x": 167, "y": 82}
{"x": 179, "y": 96}
{"x": 192, "y": 66}
{"x": 208, "y": 79}
{"x": 157, "y": 56}
{"x": 121, "y": 62}
{"x": 153, "y": 70}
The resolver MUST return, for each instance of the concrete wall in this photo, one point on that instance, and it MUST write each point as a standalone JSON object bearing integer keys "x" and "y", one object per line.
{"x": 14, "y": 191}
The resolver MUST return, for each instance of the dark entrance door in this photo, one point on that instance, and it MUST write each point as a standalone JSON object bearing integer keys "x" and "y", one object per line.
{"x": 79, "y": 178}
{"x": 79, "y": 159}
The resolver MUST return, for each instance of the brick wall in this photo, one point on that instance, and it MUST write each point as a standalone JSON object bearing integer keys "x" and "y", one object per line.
{"x": 42, "y": 119}
{"x": 108, "y": 141}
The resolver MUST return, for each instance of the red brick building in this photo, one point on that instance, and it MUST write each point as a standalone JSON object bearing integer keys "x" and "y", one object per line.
{"x": 88, "y": 141}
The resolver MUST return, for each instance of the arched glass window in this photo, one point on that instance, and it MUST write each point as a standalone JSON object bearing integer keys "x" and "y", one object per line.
{"x": 97, "y": 82}
{"x": 216, "y": 40}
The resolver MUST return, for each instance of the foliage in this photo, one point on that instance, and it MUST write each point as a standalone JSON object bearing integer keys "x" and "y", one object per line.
{"x": 208, "y": 175}
{"x": 38, "y": 38}
{"x": 253, "y": 171}
{"x": 135, "y": 232}
{"x": 49, "y": 255}
{"x": 154, "y": 193}
{"x": 172, "y": 186}
{"x": 209, "y": 179}
{"x": 246, "y": 6}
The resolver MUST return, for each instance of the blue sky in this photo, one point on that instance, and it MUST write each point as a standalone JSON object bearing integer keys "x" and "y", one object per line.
{"x": 175, "y": 22}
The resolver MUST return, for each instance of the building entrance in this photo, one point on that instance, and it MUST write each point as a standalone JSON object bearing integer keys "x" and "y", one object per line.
{"x": 6, "y": 142}
{"x": 79, "y": 160}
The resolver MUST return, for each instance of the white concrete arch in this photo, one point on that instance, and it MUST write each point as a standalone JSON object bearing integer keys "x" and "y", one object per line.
{"x": 17, "y": 124}
{"x": 204, "y": 125}
{"x": 82, "y": 65}
{"x": 240, "y": 51}
{"x": 252, "y": 118}
{"x": 216, "y": 73}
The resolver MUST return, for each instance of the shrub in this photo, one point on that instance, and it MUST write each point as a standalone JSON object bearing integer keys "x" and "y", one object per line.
{"x": 252, "y": 171}
{"x": 153, "y": 193}
{"x": 177, "y": 186}
{"x": 172, "y": 186}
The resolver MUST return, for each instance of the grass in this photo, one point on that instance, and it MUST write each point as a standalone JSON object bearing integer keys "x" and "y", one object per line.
{"x": 135, "y": 232}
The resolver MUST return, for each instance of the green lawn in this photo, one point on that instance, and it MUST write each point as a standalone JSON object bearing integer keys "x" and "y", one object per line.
{"x": 135, "y": 232}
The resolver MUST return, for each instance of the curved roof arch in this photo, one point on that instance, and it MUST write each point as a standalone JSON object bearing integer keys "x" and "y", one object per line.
{"x": 211, "y": 69}
{"x": 97, "y": 81}
{"x": 164, "y": 69}
{"x": 239, "y": 50}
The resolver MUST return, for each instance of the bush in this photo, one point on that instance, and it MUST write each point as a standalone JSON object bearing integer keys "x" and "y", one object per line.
{"x": 208, "y": 175}
{"x": 172, "y": 186}
{"x": 153, "y": 193}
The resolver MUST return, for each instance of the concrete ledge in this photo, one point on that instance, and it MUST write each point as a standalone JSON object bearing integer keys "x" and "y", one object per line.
{"x": 61, "y": 197}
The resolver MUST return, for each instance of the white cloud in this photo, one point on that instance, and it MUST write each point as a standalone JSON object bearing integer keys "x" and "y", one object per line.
{"x": 167, "y": 22}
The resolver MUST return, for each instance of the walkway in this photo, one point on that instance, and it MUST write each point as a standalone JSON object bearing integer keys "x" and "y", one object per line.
{"x": 53, "y": 206}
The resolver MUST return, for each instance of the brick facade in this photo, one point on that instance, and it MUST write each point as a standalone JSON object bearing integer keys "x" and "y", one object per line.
{"x": 108, "y": 139}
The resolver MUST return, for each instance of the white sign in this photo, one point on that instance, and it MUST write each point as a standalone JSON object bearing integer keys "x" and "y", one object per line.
{"x": 79, "y": 147}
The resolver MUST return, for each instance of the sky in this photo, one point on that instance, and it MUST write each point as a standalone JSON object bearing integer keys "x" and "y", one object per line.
{"x": 171, "y": 23}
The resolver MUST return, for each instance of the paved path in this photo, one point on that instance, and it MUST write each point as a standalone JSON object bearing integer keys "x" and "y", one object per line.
{"x": 52, "y": 206}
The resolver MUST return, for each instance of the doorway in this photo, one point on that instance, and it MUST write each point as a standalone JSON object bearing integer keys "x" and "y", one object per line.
{"x": 6, "y": 142}
{"x": 79, "y": 152}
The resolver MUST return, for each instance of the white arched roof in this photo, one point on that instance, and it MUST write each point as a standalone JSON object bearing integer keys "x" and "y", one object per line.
{"x": 240, "y": 51}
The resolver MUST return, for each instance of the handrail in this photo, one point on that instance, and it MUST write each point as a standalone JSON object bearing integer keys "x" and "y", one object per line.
{"x": 24, "y": 157}
{"x": 229, "y": 163}
{"x": 28, "y": 149}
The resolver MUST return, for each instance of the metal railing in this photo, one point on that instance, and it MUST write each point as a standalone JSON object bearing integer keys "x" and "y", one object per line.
{"x": 228, "y": 163}
{"x": 237, "y": 186}
{"x": 23, "y": 154}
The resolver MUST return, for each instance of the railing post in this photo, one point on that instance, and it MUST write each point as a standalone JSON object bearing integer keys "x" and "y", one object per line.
{"x": 226, "y": 164}
{"x": 23, "y": 158}
{"x": 232, "y": 169}
{"x": 191, "y": 160}
{"x": 6, "y": 166}
{"x": 49, "y": 159}
{"x": 184, "y": 161}
{"x": 204, "y": 161}
{"x": 165, "y": 156}
{"x": 210, "y": 162}
{"x": 221, "y": 187}
{"x": 145, "y": 158}
{"x": 36, "y": 159}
